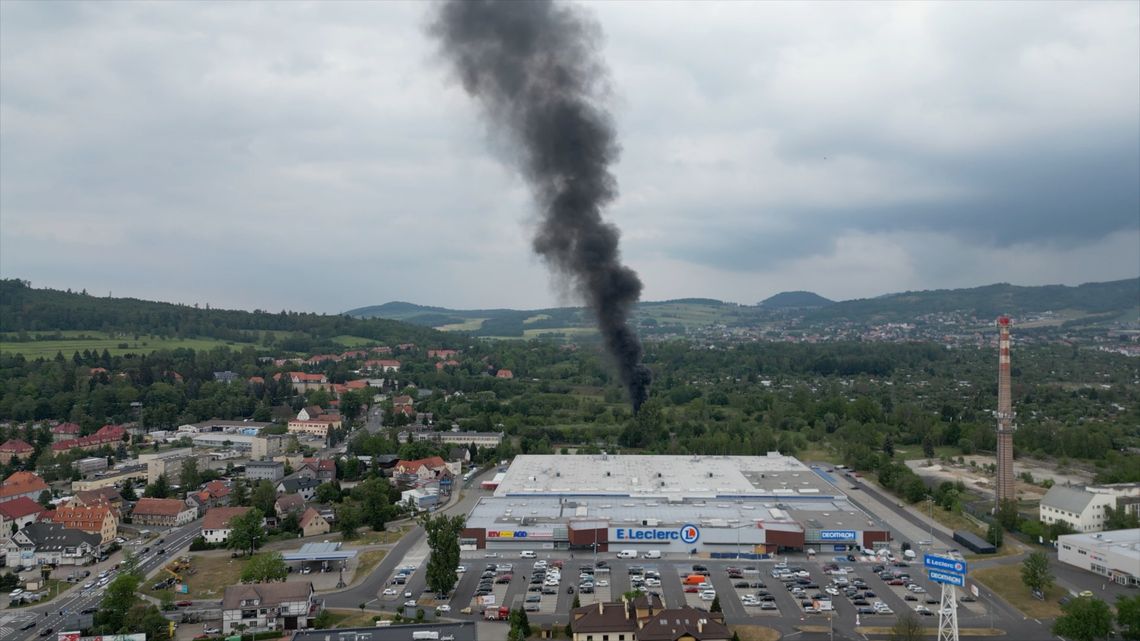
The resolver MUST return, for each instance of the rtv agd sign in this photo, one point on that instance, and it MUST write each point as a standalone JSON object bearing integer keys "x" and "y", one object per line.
{"x": 687, "y": 533}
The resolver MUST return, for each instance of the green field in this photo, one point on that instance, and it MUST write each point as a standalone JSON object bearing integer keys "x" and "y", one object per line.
{"x": 469, "y": 325}
{"x": 353, "y": 341}
{"x": 98, "y": 341}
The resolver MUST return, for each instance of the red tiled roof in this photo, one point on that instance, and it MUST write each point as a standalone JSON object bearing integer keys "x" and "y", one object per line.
{"x": 15, "y": 446}
{"x": 65, "y": 428}
{"x": 107, "y": 435}
{"x": 218, "y": 518}
{"x": 88, "y": 519}
{"x": 160, "y": 507}
{"x": 504, "y": 373}
{"x": 22, "y": 483}
{"x": 17, "y": 508}
{"x": 432, "y": 463}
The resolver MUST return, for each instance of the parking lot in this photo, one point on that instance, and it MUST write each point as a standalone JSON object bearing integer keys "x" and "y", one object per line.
{"x": 749, "y": 591}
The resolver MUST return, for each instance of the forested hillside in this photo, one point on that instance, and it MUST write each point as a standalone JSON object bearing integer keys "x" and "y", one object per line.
{"x": 27, "y": 313}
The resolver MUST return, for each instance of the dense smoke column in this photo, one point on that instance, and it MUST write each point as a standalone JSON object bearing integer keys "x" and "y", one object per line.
{"x": 534, "y": 67}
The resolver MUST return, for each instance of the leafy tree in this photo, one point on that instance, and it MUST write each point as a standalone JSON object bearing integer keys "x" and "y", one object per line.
{"x": 190, "y": 479}
{"x": 928, "y": 447}
{"x": 520, "y": 624}
{"x": 328, "y": 492}
{"x": 160, "y": 489}
{"x": 117, "y": 601}
{"x": 128, "y": 491}
{"x": 239, "y": 493}
{"x": 1008, "y": 515}
{"x": 264, "y": 497}
{"x": 577, "y": 602}
{"x": 889, "y": 446}
{"x": 907, "y": 628}
{"x": 324, "y": 620}
{"x": 995, "y": 534}
{"x": 443, "y": 539}
{"x": 147, "y": 619}
{"x": 1084, "y": 619}
{"x": 372, "y": 495}
{"x": 348, "y": 520}
{"x": 1128, "y": 616}
{"x": 247, "y": 531}
{"x": 268, "y": 566}
{"x": 1120, "y": 519}
{"x": 45, "y": 499}
{"x": 166, "y": 603}
{"x": 1035, "y": 572}
{"x": 715, "y": 607}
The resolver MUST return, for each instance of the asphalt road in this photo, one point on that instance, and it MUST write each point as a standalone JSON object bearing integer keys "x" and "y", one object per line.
{"x": 65, "y": 612}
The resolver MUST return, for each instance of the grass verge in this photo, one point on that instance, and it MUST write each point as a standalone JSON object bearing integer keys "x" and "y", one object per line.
{"x": 1005, "y": 580}
{"x": 755, "y": 633}
{"x": 353, "y": 618}
{"x": 367, "y": 561}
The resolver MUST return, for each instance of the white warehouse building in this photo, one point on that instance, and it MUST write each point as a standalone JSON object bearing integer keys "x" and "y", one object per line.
{"x": 1114, "y": 554}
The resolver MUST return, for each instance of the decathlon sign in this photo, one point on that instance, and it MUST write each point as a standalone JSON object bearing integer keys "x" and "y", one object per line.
{"x": 939, "y": 576}
{"x": 686, "y": 534}
{"x": 944, "y": 563}
{"x": 837, "y": 535}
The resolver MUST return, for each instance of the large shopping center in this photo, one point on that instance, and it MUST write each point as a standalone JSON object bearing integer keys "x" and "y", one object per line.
{"x": 679, "y": 504}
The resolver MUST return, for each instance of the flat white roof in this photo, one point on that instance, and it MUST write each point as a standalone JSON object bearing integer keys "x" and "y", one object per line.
{"x": 1123, "y": 542}
{"x": 667, "y": 477}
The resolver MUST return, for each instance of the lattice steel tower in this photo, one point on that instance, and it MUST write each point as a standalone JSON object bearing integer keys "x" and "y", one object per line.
{"x": 1004, "y": 488}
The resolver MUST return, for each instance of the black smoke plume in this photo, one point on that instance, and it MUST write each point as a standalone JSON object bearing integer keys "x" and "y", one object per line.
{"x": 534, "y": 67}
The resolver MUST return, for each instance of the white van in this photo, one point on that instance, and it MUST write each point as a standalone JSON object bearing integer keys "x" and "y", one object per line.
{"x": 627, "y": 554}
{"x": 652, "y": 554}
{"x": 527, "y": 554}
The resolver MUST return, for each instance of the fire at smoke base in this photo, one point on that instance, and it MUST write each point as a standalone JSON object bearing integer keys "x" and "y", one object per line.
{"x": 535, "y": 70}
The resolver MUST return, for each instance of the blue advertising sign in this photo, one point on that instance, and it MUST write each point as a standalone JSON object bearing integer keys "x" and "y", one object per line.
{"x": 944, "y": 563}
{"x": 837, "y": 535}
{"x": 939, "y": 576}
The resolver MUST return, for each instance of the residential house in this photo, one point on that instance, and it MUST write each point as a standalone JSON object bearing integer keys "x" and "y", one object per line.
{"x": 309, "y": 413}
{"x": 18, "y": 512}
{"x": 27, "y": 484}
{"x": 381, "y": 365}
{"x": 687, "y": 623}
{"x": 15, "y": 448}
{"x": 440, "y": 365}
{"x": 313, "y": 524}
{"x": 322, "y": 358}
{"x": 269, "y": 606}
{"x": 597, "y": 620}
{"x": 51, "y": 544}
{"x": 226, "y": 376}
{"x": 164, "y": 512}
{"x": 644, "y": 619}
{"x": 459, "y": 453}
{"x": 322, "y": 469}
{"x": 98, "y": 519}
{"x": 267, "y": 470}
{"x": 289, "y": 504}
{"x": 442, "y": 353}
{"x": 303, "y": 382}
{"x": 303, "y": 487}
{"x": 110, "y": 435}
{"x": 216, "y": 524}
{"x": 504, "y": 373}
{"x": 109, "y": 496}
{"x": 213, "y": 494}
{"x": 65, "y": 432}
{"x": 421, "y": 469}
{"x": 1083, "y": 510}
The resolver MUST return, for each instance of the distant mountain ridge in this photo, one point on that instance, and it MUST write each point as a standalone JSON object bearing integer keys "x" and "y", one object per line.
{"x": 1104, "y": 301}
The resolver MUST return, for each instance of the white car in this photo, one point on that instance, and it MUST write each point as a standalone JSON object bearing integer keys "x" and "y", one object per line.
{"x": 803, "y": 574}
{"x": 601, "y": 583}
{"x": 460, "y": 570}
{"x": 540, "y": 564}
{"x": 707, "y": 595}
{"x": 87, "y": 586}
{"x": 831, "y": 591}
{"x": 651, "y": 583}
{"x": 443, "y": 608}
{"x": 391, "y": 592}
{"x": 210, "y": 630}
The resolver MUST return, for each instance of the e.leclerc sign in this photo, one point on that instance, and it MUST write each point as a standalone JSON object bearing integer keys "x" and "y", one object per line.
{"x": 686, "y": 534}
{"x": 837, "y": 535}
{"x": 939, "y": 576}
{"x": 946, "y": 564}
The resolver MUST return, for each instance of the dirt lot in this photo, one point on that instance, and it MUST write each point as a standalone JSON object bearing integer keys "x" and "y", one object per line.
{"x": 213, "y": 571}
{"x": 976, "y": 478}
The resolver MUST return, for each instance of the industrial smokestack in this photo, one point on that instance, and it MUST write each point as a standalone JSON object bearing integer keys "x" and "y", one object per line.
{"x": 535, "y": 70}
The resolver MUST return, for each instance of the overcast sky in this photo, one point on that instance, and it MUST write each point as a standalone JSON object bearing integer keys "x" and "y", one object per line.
{"x": 320, "y": 157}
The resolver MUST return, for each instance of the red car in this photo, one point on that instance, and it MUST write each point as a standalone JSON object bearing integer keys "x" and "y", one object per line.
{"x": 692, "y": 588}
{"x": 184, "y": 604}
{"x": 896, "y": 582}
